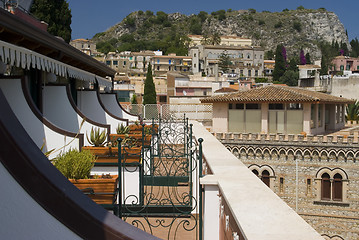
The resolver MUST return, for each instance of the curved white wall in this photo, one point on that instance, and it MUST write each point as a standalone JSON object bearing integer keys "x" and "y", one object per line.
{"x": 23, "y": 218}
{"x": 58, "y": 109}
{"x": 34, "y": 127}
{"x": 88, "y": 103}
{"x": 111, "y": 104}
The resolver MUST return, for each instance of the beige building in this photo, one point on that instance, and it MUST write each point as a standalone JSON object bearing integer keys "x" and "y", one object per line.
{"x": 85, "y": 46}
{"x": 225, "y": 41}
{"x": 245, "y": 61}
{"x": 171, "y": 63}
{"x": 278, "y": 109}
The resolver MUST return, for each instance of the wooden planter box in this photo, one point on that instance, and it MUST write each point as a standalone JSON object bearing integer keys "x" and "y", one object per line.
{"x": 135, "y": 136}
{"x": 101, "y": 191}
{"x": 102, "y": 151}
{"x": 110, "y": 155}
{"x": 135, "y": 128}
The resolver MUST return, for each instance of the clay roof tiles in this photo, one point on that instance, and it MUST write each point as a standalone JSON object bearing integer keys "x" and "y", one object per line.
{"x": 277, "y": 94}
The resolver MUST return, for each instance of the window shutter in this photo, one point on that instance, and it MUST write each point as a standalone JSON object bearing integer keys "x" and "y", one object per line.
{"x": 325, "y": 186}
{"x": 338, "y": 188}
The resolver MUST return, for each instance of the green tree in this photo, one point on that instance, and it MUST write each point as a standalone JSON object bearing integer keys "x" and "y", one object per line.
{"x": 55, "y": 13}
{"x": 149, "y": 95}
{"x": 355, "y": 47}
{"x": 280, "y": 65}
{"x": 352, "y": 111}
{"x": 224, "y": 62}
{"x": 290, "y": 78}
{"x": 307, "y": 58}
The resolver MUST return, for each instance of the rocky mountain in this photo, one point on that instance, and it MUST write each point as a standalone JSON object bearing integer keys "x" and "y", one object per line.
{"x": 296, "y": 29}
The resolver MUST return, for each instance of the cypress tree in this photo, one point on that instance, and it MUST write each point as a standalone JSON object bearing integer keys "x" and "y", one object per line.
{"x": 280, "y": 64}
{"x": 149, "y": 95}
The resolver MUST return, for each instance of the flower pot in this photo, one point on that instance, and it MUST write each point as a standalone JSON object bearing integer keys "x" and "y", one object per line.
{"x": 100, "y": 190}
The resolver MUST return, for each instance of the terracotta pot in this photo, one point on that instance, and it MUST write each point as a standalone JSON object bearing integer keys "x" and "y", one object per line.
{"x": 135, "y": 128}
{"x": 105, "y": 188}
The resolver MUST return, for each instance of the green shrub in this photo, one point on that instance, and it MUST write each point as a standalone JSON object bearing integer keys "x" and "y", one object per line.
{"x": 261, "y": 22}
{"x": 74, "y": 164}
{"x": 297, "y": 26}
{"x": 278, "y": 25}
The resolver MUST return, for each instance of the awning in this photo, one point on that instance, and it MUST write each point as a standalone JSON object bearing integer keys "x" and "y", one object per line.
{"x": 104, "y": 82}
{"x": 80, "y": 74}
{"x": 25, "y": 58}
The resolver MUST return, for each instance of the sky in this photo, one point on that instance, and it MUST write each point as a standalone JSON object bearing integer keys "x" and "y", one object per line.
{"x": 90, "y": 17}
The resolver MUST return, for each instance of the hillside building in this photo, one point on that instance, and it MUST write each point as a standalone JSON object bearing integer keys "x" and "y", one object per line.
{"x": 84, "y": 45}
{"x": 245, "y": 61}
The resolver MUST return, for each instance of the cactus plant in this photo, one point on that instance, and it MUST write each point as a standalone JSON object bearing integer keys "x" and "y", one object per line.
{"x": 97, "y": 138}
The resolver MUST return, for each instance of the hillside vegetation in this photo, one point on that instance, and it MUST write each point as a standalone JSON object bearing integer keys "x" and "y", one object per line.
{"x": 297, "y": 29}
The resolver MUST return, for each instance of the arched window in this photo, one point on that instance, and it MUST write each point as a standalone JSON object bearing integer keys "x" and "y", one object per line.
{"x": 337, "y": 187}
{"x": 326, "y": 187}
{"x": 255, "y": 172}
{"x": 265, "y": 177}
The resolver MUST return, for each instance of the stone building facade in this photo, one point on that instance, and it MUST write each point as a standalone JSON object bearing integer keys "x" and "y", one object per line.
{"x": 317, "y": 176}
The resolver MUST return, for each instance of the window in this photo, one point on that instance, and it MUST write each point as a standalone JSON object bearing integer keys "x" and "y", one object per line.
{"x": 194, "y": 65}
{"x": 276, "y": 106}
{"x": 348, "y": 67}
{"x": 252, "y": 106}
{"x": 195, "y": 55}
{"x": 248, "y": 56}
{"x": 230, "y": 106}
{"x": 249, "y": 73}
{"x": 337, "y": 187}
{"x": 326, "y": 186}
{"x": 265, "y": 178}
{"x": 294, "y": 106}
{"x": 124, "y": 63}
{"x": 108, "y": 63}
{"x": 341, "y": 67}
{"x": 241, "y": 72}
{"x": 309, "y": 186}
{"x": 169, "y": 61}
{"x": 281, "y": 185}
{"x": 158, "y": 61}
{"x": 115, "y": 62}
{"x": 256, "y": 73}
{"x": 239, "y": 106}
{"x": 332, "y": 189}
{"x": 158, "y": 68}
{"x": 255, "y": 172}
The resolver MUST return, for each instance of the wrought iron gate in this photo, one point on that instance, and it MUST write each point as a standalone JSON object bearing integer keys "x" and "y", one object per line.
{"x": 159, "y": 192}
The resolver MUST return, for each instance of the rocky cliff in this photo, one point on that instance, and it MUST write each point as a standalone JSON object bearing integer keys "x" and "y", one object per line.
{"x": 295, "y": 29}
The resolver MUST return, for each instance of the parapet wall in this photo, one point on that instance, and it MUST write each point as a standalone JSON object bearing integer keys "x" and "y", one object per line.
{"x": 298, "y": 139}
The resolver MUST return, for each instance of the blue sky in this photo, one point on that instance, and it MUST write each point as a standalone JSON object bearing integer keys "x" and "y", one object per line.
{"x": 90, "y": 17}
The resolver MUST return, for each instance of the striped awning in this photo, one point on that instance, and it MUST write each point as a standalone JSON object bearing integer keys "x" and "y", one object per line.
{"x": 25, "y": 58}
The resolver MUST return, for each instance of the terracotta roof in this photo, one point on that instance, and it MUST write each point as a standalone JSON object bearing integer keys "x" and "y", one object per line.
{"x": 226, "y": 89}
{"x": 277, "y": 94}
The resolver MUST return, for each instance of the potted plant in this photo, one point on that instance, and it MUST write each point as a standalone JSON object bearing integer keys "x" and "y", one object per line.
{"x": 124, "y": 133}
{"x": 76, "y": 166}
{"x": 98, "y": 140}
{"x": 136, "y": 127}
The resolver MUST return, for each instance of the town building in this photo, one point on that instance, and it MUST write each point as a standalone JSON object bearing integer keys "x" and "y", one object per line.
{"x": 171, "y": 63}
{"x": 84, "y": 45}
{"x": 277, "y": 109}
{"x": 245, "y": 61}
{"x": 344, "y": 63}
{"x": 317, "y": 176}
{"x": 225, "y": 41}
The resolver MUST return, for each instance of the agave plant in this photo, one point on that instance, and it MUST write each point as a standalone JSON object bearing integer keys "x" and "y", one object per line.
{"x": 121, "y": 129}
{"x": 97, "y": 138}
{"x": 352, "y": 112}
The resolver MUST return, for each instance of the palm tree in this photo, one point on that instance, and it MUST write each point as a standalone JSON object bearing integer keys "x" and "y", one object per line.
{"x": 352, "y": 111}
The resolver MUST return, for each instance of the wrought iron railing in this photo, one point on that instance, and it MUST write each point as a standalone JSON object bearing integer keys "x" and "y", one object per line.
{"x": 159, "y": 192}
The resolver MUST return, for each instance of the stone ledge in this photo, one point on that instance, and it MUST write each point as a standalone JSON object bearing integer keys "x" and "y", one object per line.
{"x": 333, "y": 203}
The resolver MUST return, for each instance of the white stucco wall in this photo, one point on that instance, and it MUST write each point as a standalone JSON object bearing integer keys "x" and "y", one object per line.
{"x": 39, "y": 132}
{"x": 23, "y": 218}
{"x": 220, "y": 117}
{"x": 111, "y": 104}
{"x": 58, "y": 110}
{"x": 88, "y": 103}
